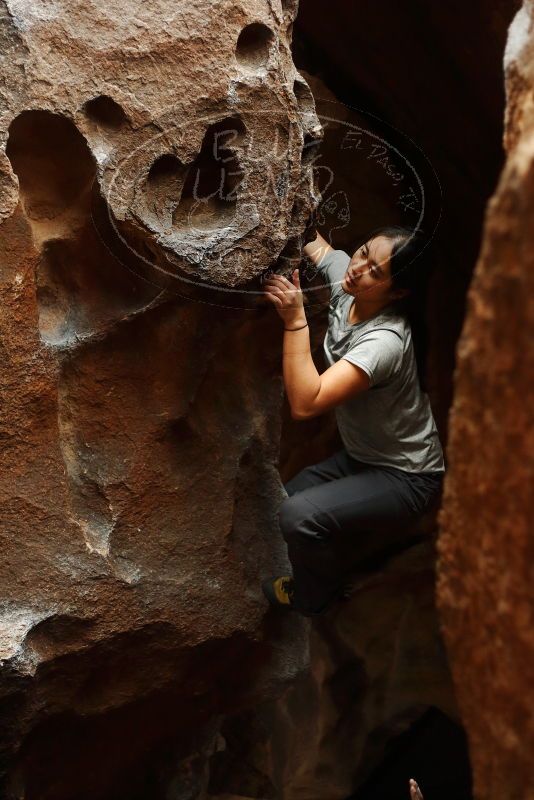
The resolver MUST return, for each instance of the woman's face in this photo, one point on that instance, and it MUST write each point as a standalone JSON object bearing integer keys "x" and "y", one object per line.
{"x": 368, "y": 274}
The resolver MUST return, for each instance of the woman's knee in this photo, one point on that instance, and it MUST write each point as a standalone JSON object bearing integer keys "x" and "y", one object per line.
{"x": 297, "y": 484}
{"x": 300, "y": 521}
{"x": 293, "y": 512}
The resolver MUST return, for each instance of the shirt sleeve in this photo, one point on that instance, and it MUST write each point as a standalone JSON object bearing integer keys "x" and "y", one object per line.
{"x": 379, "y": 353}
{"x": 332, "y": 268}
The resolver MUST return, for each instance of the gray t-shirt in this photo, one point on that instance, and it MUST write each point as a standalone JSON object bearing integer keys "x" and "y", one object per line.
{"x": 390, "y": 424}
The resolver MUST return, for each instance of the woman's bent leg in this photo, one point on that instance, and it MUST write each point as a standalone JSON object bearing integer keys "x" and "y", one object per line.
{"x": 338, "y": 465}
{"x": 331, "y": 526}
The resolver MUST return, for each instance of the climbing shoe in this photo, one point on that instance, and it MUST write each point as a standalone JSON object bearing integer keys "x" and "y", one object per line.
{"x": 279, "y": 591}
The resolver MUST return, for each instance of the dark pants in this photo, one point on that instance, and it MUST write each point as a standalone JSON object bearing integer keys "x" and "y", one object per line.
{"x": 341, "y": 512}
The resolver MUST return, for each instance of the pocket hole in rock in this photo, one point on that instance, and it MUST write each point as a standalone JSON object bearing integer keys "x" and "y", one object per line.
{"x": 253, "y": 46}
{"x": 105, "y": 112}
{"x": 163, "y": 186}
{"x": 52, "y": 161}
{"x": 209, "y": 195}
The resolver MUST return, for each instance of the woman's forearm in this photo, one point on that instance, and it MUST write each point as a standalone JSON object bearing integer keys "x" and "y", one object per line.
{"x": 301, "y": 379}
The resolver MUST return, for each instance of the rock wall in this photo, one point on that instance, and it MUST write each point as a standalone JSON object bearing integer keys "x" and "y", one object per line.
{"x": 159, "y": 155}
{"x": 140, "y": 430}
{"x": 487, "y": 546}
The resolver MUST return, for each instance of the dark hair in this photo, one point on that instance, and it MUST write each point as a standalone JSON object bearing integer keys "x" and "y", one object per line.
{"x": 409, "y": 270}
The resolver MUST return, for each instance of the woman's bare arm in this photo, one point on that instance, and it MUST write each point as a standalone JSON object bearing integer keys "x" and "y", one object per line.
{"x": 317, "y": 249}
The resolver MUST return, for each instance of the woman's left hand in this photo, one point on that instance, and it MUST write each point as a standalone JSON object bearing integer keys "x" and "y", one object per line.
{"x": 286, "y": 296}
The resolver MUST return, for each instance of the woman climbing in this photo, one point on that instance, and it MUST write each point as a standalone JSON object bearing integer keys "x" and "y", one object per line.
{"x": 367, "y": 495}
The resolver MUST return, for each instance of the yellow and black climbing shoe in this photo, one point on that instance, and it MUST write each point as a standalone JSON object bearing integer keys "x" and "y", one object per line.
{"x": 279, "y": 591}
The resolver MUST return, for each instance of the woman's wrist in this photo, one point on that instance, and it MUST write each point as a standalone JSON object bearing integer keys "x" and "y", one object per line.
{"x": 296, "y": 322}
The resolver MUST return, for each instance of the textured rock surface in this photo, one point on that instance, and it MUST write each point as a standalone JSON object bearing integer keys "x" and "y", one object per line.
{"x": 139, "y": 485}
{"x": 164, "y": 95}
{"x": 487, "y": 545}
{"x": 140, "y": 432}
